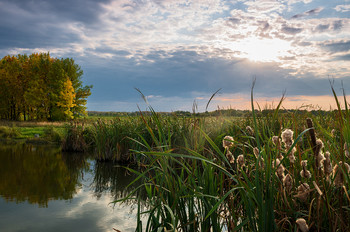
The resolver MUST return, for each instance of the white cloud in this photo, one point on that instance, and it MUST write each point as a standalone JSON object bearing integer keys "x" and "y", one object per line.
{"x": 342, "y": 8}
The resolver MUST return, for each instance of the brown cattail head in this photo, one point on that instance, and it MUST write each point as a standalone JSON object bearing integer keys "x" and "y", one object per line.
{"x": 279, "y": 169}
{"x": 256, "y": 152}
{"x": 288, "y": 183}
{"x": 327, "y": 164}
{"x": 346, "y": 150}
{"x": 240, "y": 160}
{"x": 304, "y": 172}
{"x": 338, "y": 173}
{"x": 261, "y": 159}
{"x": 227, "y": 142}
{"x": 311, "y": 132}
{"x": 319, "y": 159}
{"x": 303, "y": 192}
{"x": 302, "y": 225}
{"x": 333, "y": 132}
{"x": 291, "y": 155}
{"x": 287, "y": 137}
{"x": 249, "y": 130}
{"x": 230, "y": 157}
{"x": 277, "y": 142}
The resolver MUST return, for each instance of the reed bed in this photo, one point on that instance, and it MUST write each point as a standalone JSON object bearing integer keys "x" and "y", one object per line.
{"x": 269, "y": 173}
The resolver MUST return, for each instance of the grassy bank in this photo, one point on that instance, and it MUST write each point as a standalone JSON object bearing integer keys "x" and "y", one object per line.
{"x": 49, "y": 132}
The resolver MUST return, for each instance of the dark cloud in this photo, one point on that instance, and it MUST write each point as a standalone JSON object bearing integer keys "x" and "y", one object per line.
{"x": 334, "y": 47}
{"x": 322, "y": 27}
{"x": 343, "y": 57}
{"x": 41, "y": 24}
{"x": 337, "y": 25}
{"x": 308, "y": 13}
{"x": 291, "y": 30}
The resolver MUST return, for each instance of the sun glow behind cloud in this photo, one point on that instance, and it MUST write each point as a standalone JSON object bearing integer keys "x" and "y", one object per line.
{"x": 264, "y": 50}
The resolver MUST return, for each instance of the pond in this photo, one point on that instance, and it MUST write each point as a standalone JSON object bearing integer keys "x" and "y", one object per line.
{"x": 44, "y": 189}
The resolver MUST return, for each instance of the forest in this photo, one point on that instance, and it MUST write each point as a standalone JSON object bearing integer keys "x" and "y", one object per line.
{"x": 40, "y": 87}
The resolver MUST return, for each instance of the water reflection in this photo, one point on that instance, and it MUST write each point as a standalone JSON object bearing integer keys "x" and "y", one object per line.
{"x": 37, "y": 174}
{"x": 72, "y": 191}
{"x": 112, "y": 178}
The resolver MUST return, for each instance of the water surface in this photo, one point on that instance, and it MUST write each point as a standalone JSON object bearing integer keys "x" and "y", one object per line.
{"x": 43, "y": 189}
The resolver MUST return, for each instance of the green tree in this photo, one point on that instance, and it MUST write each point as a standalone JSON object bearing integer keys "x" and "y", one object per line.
{"x": 40, "y": 87}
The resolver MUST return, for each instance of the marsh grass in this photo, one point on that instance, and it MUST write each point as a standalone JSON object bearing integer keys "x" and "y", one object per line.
{"x": 197, "y": 187}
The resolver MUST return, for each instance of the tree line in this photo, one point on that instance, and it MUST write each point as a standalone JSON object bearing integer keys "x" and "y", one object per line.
{"x": 41, "y": 87}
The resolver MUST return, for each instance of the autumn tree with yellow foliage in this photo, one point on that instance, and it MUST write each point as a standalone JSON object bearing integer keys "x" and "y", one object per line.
{"x": 40, "y": 87}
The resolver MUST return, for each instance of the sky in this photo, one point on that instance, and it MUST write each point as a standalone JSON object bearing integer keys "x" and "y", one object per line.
{"x": 178, "y": 52}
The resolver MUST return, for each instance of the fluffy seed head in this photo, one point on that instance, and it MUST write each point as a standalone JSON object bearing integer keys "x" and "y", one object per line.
{"x": 303, "y": 192}
{"x": 287, "y": 137}
{"x": 279, "y": 169}
{"x": 319, "y": 143}
{"x": 291, "y": 155}
{"x": 288, "y": 182}
{"x": 276, "y": 141}
{"x": 230, "y": 157}
{"x": 256, "y": 152}
{"x": 302, "y": 225}
{"x": 240, "y": 160}
{"x": 327, "y": 164}
{"x": 338, "y": 173}
{"x": 333, "y": 132}
{"x": 304, "y": 172}
{"x": 319, "y": 159}
{"x": 249, "y": 130}
{"x": 227, "y": 142}
{"x": 346, "y": 150}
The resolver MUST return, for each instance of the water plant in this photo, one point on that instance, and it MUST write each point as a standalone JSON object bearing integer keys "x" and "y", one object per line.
{"x": 282, "y": 173}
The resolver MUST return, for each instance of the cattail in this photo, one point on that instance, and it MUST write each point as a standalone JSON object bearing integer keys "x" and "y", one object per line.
{"x": 333, "y": 132}
{"x": 227, "y": 142}
{"x": 230, "y": 157}
{"x": 256, "y": 152}
{"x": 279, "y": 169}
{"x": 319, "y": 159}
{"x": 249, "y": 130}
{"x": 291, "y": 156}
{"x": 288, "y": 182}
{"x": 338, "y": 173}
{"x": 302, "y": 226}
{"x": 327, "y": 164}
{"x": 277, "y": 142}
{"x": 317, "y": 152}
{"x": 261, "y": 160}
{"x": 346, "y": 150}
{"x": 287, "y": 137}
{"x": 304, "y": 173}
{"x": 240, "y": 160}
{"x": 303, "y": 192}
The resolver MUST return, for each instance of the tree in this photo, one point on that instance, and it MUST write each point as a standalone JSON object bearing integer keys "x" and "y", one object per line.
{"x": 39, "y": 87}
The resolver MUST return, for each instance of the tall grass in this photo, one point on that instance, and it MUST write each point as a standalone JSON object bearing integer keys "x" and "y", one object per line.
{"x": 197, "y": 185}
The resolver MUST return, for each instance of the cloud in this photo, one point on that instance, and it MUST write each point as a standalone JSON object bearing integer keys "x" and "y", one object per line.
{"x": 342, "y": 8}
{"x": 308, "y": 13}
{"x": 291, "y": 30}
{"x": 345, "y": 57}
{"x": 160, "y": 45}
{"x": 336, "y": 46}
